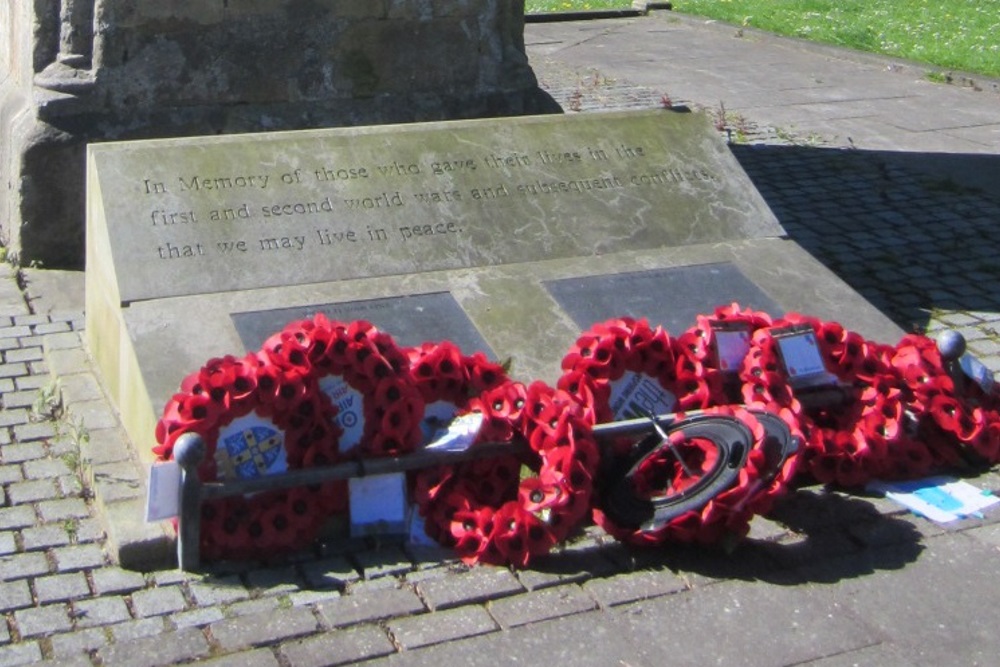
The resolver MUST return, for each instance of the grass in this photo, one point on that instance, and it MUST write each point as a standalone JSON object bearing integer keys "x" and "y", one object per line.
{"x": 950, "y": 34}
{"x": 535, "y": 6}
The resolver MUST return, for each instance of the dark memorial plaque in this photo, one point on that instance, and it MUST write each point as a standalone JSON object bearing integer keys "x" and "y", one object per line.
{"x": 671, "y": 298}
{"x": 411, "y": 320}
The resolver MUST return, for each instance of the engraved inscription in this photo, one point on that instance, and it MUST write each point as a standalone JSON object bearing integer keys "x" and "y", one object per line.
{"x": 197, "y": 215}
{"x": 482, "y": 177}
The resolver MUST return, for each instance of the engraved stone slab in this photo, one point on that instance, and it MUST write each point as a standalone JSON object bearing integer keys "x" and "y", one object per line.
{"x": 214, "y": 214}
{"x": 671, "y": 298}
{"x": 411, "y": 319}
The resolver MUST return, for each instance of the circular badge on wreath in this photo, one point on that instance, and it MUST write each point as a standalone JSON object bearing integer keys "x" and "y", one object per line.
{"x": 364, "y": 378}
{"x": 257, "y": 417}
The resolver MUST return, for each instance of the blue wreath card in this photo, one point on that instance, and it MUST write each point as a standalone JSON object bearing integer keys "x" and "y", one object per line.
{"x": 940, "y": 499}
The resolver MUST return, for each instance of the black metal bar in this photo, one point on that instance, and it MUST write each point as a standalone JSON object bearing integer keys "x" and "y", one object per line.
{"x": 189, "y": 452}
{"x": 359, "y": 468}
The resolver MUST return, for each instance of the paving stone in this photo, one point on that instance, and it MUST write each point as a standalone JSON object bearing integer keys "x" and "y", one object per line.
{"x": 115, "y": 580}
{"x": 14, "y": 595}
{"x": 28, "y": 320}
{"x": 51, "y": 328}
{"x": 261, "y": 657}
{"x": 23, "y": 354}
{"x": 246, "y": 631}
{"x": 428, "y": 629}
{"x": 334, "y": 572}
{"x": 218, "y": 590}
{"x": 273, "y": 580}
{"x": 70, "y": 644}
{"x": 89, "y": 530}
{"x": 171, "y": 577}
{"x": 14, "y": 417}
{"x": 44, "y": 537}
{"x": 302, "y": 598}
{"x": 13, "y": 370}
{"x": 20, "y": 452}
{"x": 568, "y": 566}
{"x": 35, "y": 382}
{"x": 251, "y": 607}
{"x": 197, "y": 617}
{"x": 10, "y": 473}
{"x": 387, "y": 561}
{"x": 143, "y": 627}
{"x": 40, "y": 621}
{"x": 79, "y": 387}
{"x": 34, "y": 431}
{"x": 64, "y": 341}
{"x": 62, "y": 509}
{"x": 370, "y": 605}
{"x": 158, "y": 601}
{"x": 78, "y": 557}
{"x": 93, "y": 415}
{"x": 66, "y": 361}
{"x": 541, "y": 605}
{"x": 24, "y": 653}
{"x": 100, "y": 611}
{"x": 105, "y": 445}
{"x": 8, "y": 543}
{"x": 70, "y": 486}
{"x": 478, "y": 585}
{"x": 45, "y": 468}
{"x": 166, "y": 649}
{"x": 38, "y": 367}
{"x": 19, "y": 399}
{"x": 117, "y": 481}
{"x": 883, "y": 655}
{"x": 634, "y": 586}
{"x": 339, "y": 647}
{"x": 61, "y": 587}
{"x": 32, "y": 491}
{"x": 19, "y": 566}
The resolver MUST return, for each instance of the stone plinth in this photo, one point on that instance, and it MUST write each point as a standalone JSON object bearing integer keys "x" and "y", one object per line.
{"x": 201, "y": 247}
{"x": 80, "y": 71}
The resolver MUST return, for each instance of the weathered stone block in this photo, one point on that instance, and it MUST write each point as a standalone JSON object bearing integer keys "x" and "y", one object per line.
{"x": 79, "y": 71}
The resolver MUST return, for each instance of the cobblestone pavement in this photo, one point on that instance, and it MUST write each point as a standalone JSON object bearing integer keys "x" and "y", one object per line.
{"x": 862, "y": 569}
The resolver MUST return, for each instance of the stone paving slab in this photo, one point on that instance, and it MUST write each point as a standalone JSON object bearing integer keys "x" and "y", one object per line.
{"x": 339, "y": 647}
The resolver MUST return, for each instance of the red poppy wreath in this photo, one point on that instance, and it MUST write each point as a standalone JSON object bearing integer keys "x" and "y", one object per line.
{"x": 960, "y": 425}
{"x": 693, "y": 487}
{"x": 257, "y": 416}
{"x": 722, "y": 344}
{"x": 854, "y": 439}
{"x": 484, "y": 509}
{"x": 364, "y": 376}
{"x": 623, "y": 368}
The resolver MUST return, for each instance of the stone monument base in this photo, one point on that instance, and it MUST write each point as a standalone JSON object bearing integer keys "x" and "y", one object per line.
{"x": 509, "y": 236}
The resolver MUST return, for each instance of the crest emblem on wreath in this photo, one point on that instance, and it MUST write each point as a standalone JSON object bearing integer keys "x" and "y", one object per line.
{"x": 250, "y": 452}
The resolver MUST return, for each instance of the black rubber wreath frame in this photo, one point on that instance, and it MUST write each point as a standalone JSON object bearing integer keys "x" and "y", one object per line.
{"x": 734, "y": 441}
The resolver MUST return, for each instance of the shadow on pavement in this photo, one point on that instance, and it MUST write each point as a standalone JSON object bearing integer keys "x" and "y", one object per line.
{"x": 823, "y": 537}
{"x": 913, "y": 233}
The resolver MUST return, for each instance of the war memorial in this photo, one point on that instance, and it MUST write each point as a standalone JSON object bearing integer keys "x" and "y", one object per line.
{"x": 384, "y": 189}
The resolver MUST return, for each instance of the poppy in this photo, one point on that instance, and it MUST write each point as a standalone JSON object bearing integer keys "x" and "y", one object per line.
{"x": 482, "y": 373}
{"x": 537, "y": 494}
{"x": 510, "y": 534}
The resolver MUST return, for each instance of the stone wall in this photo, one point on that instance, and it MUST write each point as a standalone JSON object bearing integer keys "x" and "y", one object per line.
{"x": 78, "y": 71}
